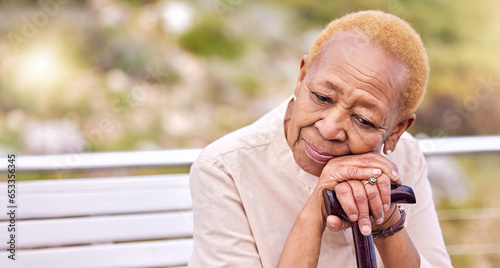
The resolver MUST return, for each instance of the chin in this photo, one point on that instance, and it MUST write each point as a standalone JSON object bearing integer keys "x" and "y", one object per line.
{"x": 315, "y": 171}
{"x": 308, "y": 165}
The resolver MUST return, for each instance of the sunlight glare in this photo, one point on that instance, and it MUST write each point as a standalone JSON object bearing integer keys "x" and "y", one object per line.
{"x": 39, "y": 69}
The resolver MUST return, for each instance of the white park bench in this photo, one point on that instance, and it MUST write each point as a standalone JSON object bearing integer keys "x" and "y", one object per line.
{"x": 128, "y": 221}
{"x": 131, "y": 221}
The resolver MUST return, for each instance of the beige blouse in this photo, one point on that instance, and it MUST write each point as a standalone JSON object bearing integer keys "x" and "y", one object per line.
{"x": 247, "y": 191}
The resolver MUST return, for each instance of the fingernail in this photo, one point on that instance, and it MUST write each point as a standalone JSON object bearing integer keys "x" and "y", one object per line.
{"x": 377, "y": 171}
{"x": 353, "y": 217}
{"x": 379, "y": 220}
{"x": 395, "y": 174}
{"x": 365, "y": 230}
{"x": 386, "y": 207}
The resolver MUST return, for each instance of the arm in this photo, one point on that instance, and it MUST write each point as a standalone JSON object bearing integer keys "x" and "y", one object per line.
{"x": 303, "y": 243}
{"x": 398, "y": 249}
{"x": 222, "y": 235}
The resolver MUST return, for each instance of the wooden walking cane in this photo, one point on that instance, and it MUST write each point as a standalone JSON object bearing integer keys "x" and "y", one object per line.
{"x": 365, "y": 249}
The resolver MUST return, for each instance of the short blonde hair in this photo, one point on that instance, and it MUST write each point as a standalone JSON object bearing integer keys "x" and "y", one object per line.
{"x": 397, "y": 37}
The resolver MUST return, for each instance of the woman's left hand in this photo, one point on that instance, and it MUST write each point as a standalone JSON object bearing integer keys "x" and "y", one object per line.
{"x": 347, "y": 176}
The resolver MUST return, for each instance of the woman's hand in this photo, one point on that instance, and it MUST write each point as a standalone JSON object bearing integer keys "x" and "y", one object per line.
{"x": 346, "y": 176}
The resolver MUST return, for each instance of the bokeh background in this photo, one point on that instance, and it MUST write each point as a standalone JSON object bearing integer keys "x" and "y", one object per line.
{"x": 116, "y": 75}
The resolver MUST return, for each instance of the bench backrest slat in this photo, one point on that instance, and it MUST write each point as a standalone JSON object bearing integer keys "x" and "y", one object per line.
{"x": 101, "y": 229}
{"x": 139, "y": 254}
{"x": 99, "y": 196}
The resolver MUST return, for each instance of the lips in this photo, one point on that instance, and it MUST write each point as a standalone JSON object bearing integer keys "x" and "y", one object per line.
{"x": 315, "y": 154}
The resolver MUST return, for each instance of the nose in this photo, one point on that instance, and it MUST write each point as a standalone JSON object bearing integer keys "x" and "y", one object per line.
{"x": 333, "y": 125}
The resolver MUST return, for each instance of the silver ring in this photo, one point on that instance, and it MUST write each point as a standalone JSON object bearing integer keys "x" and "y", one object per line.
{"x": 372, "y": 180}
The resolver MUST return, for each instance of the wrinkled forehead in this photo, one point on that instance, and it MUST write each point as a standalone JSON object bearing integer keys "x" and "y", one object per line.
{"x": 350, "y": 47}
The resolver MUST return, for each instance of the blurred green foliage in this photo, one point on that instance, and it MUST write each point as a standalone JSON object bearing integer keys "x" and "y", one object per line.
{"x": 183, "y": 73}
{"x": 209, "y": 37}
{"x": 248, "y": 84}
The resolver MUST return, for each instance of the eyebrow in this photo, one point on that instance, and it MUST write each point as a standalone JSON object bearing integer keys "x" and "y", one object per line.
{"x": 334, "y": 87}
{"x": 367, "y": 104}
{"x": 328, "y": 84}
{"x": 363, "y": 102}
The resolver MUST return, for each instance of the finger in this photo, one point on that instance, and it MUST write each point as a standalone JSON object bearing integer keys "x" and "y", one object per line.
{"x": 361, "y": 200}
{"x": 383, "y": 226}
{"x": 361, "y": 167}
{"x": 374, "y": 201}
{"x": 335, "y": 224}
{"x": 384, "y": 187}
{"x": 345, "y": 196}
{"x": 376, "y": 160}
{"x": 349, "y": 172}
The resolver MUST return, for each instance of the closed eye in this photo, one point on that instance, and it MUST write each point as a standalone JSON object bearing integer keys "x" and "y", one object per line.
{"x": 364, "y": 121}
{"x": 322, "y": 98}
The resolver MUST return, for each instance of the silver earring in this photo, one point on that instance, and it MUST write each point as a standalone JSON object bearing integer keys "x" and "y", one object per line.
{"x": 388, "y": 152}
{"x": 294, "y": 98}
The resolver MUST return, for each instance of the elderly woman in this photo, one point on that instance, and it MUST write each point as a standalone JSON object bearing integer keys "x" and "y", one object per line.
{"x": 257, "y": 192}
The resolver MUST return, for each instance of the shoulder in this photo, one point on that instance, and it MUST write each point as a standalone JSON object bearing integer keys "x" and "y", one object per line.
{"x": 409, "y": 159}
{"x": 259, "y": 134}
{"x": 241, "y": 139}
{"x": 407, "y": 141}
{"x": 407, "y": 149}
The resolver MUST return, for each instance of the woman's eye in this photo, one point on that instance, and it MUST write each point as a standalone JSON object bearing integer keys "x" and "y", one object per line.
{"x": 365, "y": 122}
{"x": 322, "y": 98}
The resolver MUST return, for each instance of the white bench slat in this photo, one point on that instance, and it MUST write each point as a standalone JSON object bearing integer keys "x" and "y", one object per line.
{"x": 32, "y": 207}
{"x": 138, "y": 254}
{"x": 112, "y": 184}
{"x": 178, "y": 157}
{"x": 102, "y": 229}
{"x": 99, "y": 196}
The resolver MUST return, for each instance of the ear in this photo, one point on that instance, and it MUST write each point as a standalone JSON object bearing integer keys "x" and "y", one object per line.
{"x": 401, "y": 127}
{"x": 302, "y": 73}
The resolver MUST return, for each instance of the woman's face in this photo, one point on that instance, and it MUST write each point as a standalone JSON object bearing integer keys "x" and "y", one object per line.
{"x": 347, "y": 103}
